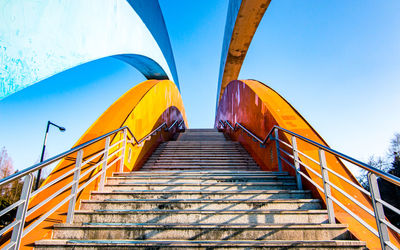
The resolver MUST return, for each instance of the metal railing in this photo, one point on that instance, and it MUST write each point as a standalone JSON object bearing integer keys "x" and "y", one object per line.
{"x": 106, "y": 158}
{"x": 378, "y": 204}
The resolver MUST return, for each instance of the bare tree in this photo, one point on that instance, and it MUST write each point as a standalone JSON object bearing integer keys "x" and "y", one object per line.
{"x": 6, "y": 164}
{"x": 394, "y": 150}
{"x": 6, "y": 169}
{"x": 8, "y": 193}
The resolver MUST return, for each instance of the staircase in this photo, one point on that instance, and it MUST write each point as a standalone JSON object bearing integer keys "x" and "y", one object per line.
{"x": 201, "y": 191}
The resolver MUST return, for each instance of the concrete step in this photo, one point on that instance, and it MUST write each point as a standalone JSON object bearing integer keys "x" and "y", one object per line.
{"x": 208, "y": 146}
{"x": 203, "y": 142}
{"x": 178, "y": 194}
{"x": 166, "y": 187}
{"x": 172, "y": 231}
{"x": 202, "y": 161}
{"x": 216, "y": 204}
{"x": 241, "y": 168}
{"x": 205, "y": 147}
{"x": 196, "y": 244}
{"x": 198, "y": 154}
{"x": 201, "y": 151}
{"x": 200, "y": 157}
{"x": 202, "y": 173}
{"x": 205, "y": 180}
{"x": 202, "y": 138}
{"x": 202, "y": 216}
{"x": 222, "y": 164}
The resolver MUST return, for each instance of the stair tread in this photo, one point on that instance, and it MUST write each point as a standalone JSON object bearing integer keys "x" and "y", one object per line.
{"x": 203, "y": 200}
{"x": 201, "y": 172}
{"x": 196, "y": 211}
{"x": 211, "y": 184}
{"x": 229, "y": 243}
{"x": 203, "y": 191}
{"x": 202, "y": 177}
{"x": 265, "y": 226}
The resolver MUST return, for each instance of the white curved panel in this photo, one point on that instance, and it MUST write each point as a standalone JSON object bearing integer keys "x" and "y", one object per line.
{"x": 41, "y": 38}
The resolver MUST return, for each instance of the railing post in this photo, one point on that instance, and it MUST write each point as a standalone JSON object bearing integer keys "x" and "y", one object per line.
{"x": 296, "y": 163}
{"x": 378, "y": 210}
{"x": 278, "y": 151}
{"x": 121, "y": 166}
{"x": 21, "y": 212}
{"x": 104, "y": 167}
{"x": 327, "y": 188}
{"x": 74, "y": 188}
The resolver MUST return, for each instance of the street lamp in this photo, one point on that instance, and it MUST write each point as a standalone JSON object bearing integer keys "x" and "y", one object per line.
{"x": 62, "y": 129}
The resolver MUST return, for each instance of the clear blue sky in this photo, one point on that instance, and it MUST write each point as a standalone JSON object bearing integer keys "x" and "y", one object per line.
{"x": 337, "y": 62}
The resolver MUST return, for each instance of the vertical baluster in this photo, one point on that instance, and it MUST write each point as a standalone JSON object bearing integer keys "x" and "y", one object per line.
{"x": 104, "y": 167}
{"x": 278, "y": 151}
{"x": 327, "y": 188}
{"x": 21, "y": 212}
{"x": 296, "y": 163}
{"x": 121, "y": 166}
{"x": 75, "y": 185}
{"x": 378, "y": 210}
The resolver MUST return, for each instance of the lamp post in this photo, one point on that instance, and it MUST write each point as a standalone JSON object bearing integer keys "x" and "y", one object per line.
{"x": 62, "y": 129}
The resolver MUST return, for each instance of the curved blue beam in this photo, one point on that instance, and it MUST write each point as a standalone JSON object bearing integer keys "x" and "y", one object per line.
{"x": 149, "y": 10}
{"x": 145, "y": 65}
{"x": 41, "y": 38}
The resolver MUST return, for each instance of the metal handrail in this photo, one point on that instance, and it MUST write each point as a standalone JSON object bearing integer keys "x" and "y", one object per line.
{"x": 47, "y": 162}
{"x": 391, "y": 178}
{"x": 378, "y": 204}
{"x": 17, "y": 226}
{"x": 43, "y": 164}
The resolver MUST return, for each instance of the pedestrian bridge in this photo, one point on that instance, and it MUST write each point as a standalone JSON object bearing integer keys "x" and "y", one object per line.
{"x": 139, "y": 177}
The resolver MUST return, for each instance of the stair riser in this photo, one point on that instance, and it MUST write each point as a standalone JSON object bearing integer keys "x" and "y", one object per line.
{"x": 198, "y": 187}
{"x": 199, "y": 196}
{"x": 202, "y": 173}
{"x": 199, "y": 168}
{"x": 205, "y": 146}
{"x": 188, "y": 175}
{"x": 203, "y": 151}
{"x": 200, "y": 218}
{"x": 201, "y": 163}
{"x": 198, "y": 205}
{"x": 172, "y": 246}
{"x": 200, "y": 234}
{"x": 200, "y": 160}
{"x": 168, "y": 168}
{"x": 196, "y": 181}
{"x": 205, "y": 157}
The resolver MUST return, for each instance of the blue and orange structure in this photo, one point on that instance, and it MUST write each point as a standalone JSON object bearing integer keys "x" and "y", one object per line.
{"x": 249, "y": 102}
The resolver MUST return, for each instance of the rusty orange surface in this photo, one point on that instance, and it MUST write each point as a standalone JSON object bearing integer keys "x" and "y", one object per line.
{"x": 248, "y": 18}
{"x": 143, "y": 108}
{"x": 259, "y": 108}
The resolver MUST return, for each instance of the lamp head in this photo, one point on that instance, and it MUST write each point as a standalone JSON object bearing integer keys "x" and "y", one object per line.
{"x": 62, "y": 129}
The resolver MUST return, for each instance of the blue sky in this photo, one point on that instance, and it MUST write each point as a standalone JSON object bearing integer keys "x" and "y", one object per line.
{"x": 337, "y": 62}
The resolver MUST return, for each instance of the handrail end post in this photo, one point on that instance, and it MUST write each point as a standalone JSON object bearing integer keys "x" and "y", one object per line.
{"x": 18, "y": 229}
